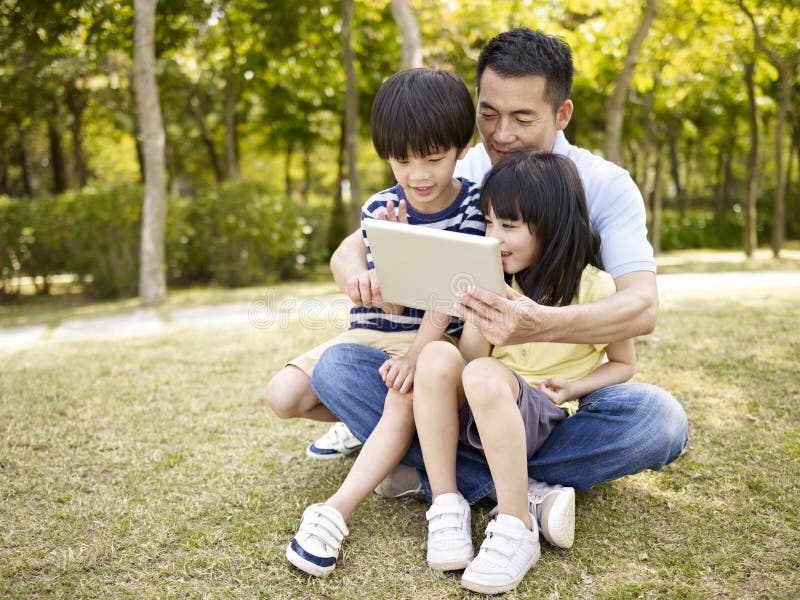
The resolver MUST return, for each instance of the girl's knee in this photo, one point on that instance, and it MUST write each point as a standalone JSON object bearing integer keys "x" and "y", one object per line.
{"x": 486, "y": 380}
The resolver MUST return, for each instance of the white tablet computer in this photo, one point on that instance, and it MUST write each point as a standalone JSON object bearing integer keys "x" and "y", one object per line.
{"x": 422, "y": 267}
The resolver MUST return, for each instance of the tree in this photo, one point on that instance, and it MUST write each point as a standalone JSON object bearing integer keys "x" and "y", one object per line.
{"x": 750, "y": 235}
{"x": 615, "y": 107}
{"x": 409, "y": 30}
{"x": 786, "y": 66}
{"x": 152, "y": 276}
{"x": 351, "y": 109}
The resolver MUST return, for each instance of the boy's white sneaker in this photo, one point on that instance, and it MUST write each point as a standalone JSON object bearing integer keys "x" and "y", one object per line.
{"x": 449, "y": 533}
{"x": 337, "y": 442}
{"x": 554, "y": 508}
{"x": 318, "y": 540}
{"x": 508, "y": 552}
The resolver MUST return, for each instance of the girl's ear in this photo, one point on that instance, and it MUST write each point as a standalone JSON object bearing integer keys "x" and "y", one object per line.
{"x": 463, "y": 152}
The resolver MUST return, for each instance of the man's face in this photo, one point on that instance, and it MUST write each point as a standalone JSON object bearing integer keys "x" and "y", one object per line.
{"x": 514, "y": 115}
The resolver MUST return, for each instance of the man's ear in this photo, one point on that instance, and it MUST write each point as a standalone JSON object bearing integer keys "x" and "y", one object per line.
{"x": 564, "y": 114}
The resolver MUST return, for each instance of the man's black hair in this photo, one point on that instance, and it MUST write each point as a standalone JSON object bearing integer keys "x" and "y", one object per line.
{"x": 522, "y": 52}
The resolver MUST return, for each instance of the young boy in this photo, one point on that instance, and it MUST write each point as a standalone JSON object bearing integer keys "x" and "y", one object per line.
{"x": 422, "y": 122}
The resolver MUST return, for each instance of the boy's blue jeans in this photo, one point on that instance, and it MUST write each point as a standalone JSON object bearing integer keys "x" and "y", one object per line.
{"x": 618, "y": 430}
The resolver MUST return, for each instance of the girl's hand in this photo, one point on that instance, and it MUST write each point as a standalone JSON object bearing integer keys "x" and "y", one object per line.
{"x": 557, "y": 389}
{"x": 398, "y": 373}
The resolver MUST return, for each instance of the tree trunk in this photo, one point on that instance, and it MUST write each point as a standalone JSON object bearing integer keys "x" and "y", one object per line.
{"x": 22, "y": 162}
{"x": 658, "y": 200}
{"x": 338, "y": 224}
{"x": 57, "y": 162}
{"x": 615, "y": 106}
{"x": 287, "y": 168}
{"x": 208, "y": 142}
{"x": 75, "y": 100}
{"x": 351, "y": 111}
{"x": 231, "y": 140}
{"x": 409, "y": 30}
{"x": 749, "y": 232}
{"x": 152, "y": 277}
{"x": 137, "y": 131}
{"x": 4, "y": 180}
{"x": 305, "y": 190}
{"x": 674, "y": 166}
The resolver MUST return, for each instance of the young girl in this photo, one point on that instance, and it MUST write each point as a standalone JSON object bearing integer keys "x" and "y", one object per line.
{"x": 505, "y": 401}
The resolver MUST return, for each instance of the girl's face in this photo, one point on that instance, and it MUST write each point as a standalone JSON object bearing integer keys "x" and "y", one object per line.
{"x": 519, "y": 246}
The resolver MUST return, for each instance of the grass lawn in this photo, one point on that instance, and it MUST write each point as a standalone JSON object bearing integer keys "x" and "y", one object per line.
{"x": 151, "y": 467}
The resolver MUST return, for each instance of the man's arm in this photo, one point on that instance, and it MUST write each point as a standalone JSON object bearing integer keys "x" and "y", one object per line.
{"x": 516, "y": 319}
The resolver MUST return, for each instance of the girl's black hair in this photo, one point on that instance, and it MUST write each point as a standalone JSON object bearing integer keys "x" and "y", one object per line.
{"x": 422, "y": 110}
{"x": 545, "y": 191}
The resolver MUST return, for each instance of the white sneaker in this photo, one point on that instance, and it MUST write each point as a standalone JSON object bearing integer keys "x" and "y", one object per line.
{"x": 336, "y": 443}
{"x": 554, "y": 507}
{"x": 508, "y": 552}
{"x": 401, "y": 482}
{"x": 449, "y": 533}
{"x": 318, "y": 540}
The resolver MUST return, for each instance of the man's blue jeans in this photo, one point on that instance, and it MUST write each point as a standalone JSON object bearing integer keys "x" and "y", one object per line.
{"x": 618, "y": 430}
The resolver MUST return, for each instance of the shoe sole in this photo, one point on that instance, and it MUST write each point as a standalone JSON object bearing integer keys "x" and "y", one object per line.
{"x": 560, "y": 531}
{"x": 453, "y": 565}
{"x": 485, "y": 588}
{"x": 334, "y": 454}
{"x": 307, "y": 566}
{"x": 404, "y": 494}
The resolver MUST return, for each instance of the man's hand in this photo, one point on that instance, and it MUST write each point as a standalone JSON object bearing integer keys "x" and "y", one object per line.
{"x": 557, "y": 389}
{"x": 513, "y": 319}
{"x": 398, "y": 373}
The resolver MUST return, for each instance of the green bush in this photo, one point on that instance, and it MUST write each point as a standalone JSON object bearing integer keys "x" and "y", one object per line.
{"x": 237, "y": 234}
{"x": 697, "y": 228}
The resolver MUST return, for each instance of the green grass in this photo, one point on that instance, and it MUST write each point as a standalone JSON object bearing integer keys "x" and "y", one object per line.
{"x": 151, "y": 467}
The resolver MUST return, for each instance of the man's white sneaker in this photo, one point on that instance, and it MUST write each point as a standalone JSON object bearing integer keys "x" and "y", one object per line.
{"x": 318, "y": 540}
{"x": 554, "y": 507}
{"x": 336, "y": 443}
{"x": 449, "y": 533}
{"x": 401, "y": 482}
{"x": 508, "y": 552}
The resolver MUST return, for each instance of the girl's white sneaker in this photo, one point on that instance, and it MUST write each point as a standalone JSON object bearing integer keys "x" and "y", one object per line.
{"x": 508, "y": 552}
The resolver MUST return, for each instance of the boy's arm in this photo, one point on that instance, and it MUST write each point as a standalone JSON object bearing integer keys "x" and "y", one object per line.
{"x": 619, "y": 369}
{"x": 398, "y": 373}
{"x": 472, "y": 344}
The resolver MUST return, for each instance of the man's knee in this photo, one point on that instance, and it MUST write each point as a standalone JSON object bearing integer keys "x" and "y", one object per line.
{"x": 661, "y": 421}
{"x": 289, "y": 393}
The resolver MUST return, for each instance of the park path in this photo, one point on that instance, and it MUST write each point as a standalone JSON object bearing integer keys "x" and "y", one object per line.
{"x": 259, "y": 314}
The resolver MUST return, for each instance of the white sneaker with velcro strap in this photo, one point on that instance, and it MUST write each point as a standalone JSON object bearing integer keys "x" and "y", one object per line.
{"x": 506, "y": 555}
{"x": 337, "y": 442}
{"x": 449, "y": 533}
{"x": 318, "y": 540}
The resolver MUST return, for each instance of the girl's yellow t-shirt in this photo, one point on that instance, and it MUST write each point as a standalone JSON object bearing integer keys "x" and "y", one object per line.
{"x": 538, "y": 361}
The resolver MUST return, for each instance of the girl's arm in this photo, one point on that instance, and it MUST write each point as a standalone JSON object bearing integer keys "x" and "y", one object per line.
{"x": 472, "y": 344}
{"x": 619, "y": 369}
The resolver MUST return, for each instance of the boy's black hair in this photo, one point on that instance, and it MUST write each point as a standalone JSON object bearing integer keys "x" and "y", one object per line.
{"x": 545, "y": 191}
{"x": 423, "y": 111}
{"x": 522, "y": 52}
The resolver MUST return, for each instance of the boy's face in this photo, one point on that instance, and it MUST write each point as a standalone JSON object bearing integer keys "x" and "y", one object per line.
{"x": 427, "y": 181}
{"x": 514, "y": 115}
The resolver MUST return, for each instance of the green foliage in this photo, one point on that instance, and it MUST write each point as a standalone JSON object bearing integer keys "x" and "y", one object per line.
{"x": 233, "y": 235}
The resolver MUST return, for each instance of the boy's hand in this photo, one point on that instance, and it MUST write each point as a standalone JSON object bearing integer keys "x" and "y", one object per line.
{"x": 363, "y": 289}
{"x": 398, "y": 373}
{"x": 398, "y": 216}
{"x": 557, "y": 389}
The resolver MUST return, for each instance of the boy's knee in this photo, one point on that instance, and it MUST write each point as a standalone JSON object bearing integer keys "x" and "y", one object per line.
{"x": 399, "y": 404}
{"x": 289, "y": 393}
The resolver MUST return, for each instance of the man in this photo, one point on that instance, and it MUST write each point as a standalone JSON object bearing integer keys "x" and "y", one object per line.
{"x": 524, "y": 82}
